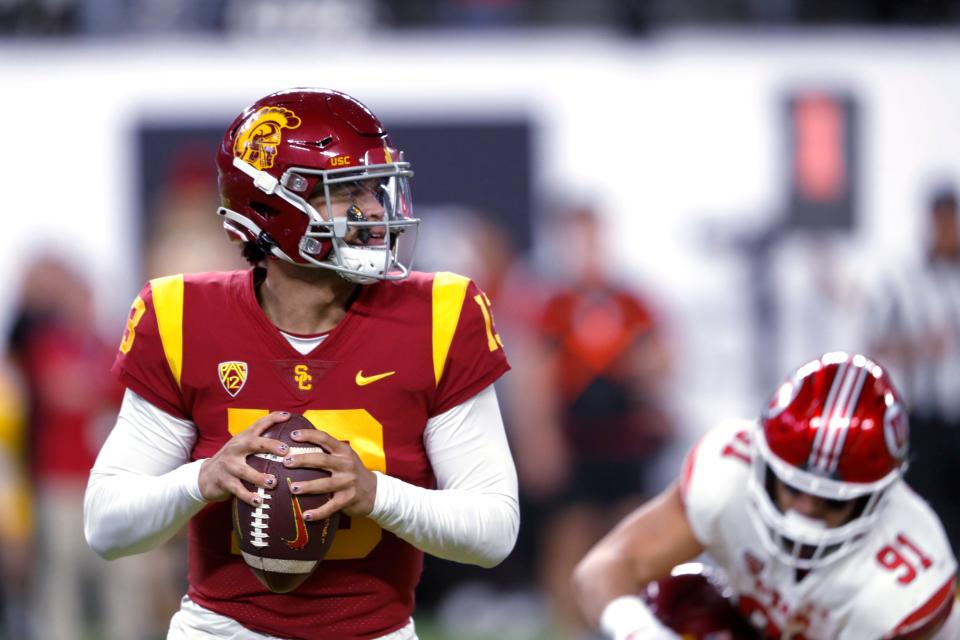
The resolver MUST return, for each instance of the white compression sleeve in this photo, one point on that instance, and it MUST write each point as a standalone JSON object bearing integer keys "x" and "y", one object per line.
{"x": 629, "y": 618}
{"x": 141, "y": 492}
{"x": 473, "y": 516}
{"x": 142, "y": 489}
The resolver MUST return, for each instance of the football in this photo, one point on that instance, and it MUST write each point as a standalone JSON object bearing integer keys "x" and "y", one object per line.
{"x": 693, "y": 602}
{"x": 279, "y": 546}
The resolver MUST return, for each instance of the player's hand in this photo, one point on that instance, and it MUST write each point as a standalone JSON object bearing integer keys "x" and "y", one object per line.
{"x": 221, "y": 475}
{"x": 352, "y": 486}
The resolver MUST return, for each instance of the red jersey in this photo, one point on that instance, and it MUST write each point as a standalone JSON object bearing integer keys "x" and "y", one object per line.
{"x": 72, "y": 394}
{"x": 200, "y": 347}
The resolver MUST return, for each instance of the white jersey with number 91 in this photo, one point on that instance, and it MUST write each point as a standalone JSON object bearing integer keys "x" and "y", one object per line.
{"x": 899, "y": 582}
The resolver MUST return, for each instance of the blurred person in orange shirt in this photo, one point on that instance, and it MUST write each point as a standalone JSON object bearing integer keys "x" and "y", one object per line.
{"x": 593, "y": 421}
{"x": 65, "y": 368}
{"x": 465, "y": 239}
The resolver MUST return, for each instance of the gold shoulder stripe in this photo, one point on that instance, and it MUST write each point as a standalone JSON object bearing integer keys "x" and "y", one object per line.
{"x": 168, "y": 303}
{"x": 449, "y": 292}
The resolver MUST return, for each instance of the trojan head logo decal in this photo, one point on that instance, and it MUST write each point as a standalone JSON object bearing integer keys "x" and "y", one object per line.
{"x": 261, "y": 132}
{"x": 233, "y": 375}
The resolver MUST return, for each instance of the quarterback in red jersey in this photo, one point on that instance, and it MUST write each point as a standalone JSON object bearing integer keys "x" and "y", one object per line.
{"x": 394, "y": 369}
{"x": 806, "y": 513}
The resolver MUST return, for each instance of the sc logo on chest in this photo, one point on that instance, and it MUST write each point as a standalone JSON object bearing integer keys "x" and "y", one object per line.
{"x": 301, "y": 375}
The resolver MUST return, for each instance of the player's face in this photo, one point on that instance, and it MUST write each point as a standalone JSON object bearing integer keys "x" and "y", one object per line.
{"x": 358, "y": 201}
{"x": 832, "y": 512}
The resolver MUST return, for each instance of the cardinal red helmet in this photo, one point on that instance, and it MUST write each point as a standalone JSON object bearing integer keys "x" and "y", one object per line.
{"x": 835, "y": 429}
{"x": 311, "y": 176}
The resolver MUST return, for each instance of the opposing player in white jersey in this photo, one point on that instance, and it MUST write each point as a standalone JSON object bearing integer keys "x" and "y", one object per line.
{"x": 804, "y": 511}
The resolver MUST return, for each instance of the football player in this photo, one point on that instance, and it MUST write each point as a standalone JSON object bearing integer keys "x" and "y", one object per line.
{"x": 393, "y": 367}
{"x": 806, "y": 513}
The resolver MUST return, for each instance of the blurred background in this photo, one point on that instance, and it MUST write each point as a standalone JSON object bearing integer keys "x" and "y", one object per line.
{"x": 670, "y": 204}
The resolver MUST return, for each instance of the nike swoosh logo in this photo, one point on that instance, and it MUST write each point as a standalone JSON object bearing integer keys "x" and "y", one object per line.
{"x": 300, "y": 541}
{"x": 363, "y": 380}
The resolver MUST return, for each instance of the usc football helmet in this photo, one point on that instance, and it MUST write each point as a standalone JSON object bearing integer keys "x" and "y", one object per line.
{"x": 835, "y": 429}
{"x": 311, "y": 177}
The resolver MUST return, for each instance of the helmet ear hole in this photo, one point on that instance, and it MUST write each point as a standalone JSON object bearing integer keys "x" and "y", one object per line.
{"x": 264, "y": 210}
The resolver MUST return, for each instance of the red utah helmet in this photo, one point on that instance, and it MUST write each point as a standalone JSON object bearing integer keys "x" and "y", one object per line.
{"x": 835, "y": 429}
{"x": 291, "y": 148}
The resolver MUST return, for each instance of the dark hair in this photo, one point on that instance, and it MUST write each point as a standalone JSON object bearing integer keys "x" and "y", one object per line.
{"x": 252, "y": 253}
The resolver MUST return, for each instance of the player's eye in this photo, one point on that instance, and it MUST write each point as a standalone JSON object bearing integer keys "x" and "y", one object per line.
{"x": 829, "y": 503}
{"x": 344, "y": 192}
{"x": 793, "y": 491}
{"x": 836, "y": 505}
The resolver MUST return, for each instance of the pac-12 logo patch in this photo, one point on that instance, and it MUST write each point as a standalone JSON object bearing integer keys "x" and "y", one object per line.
{"x": 233, "y": 375}
{"x": 258, "y": 137}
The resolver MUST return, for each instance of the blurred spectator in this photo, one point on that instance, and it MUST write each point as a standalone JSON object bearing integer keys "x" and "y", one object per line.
{"x": 109, "y": 18}
{"x": 483, "y": 13}
{"x": 65, "y": 368}
{"x": 467, "y": 240}
{"x": 592, "y": 422}
{"x": 118, "y": 17}
{"x": 36, "y": 17}
{"x": 347, "y": 18}
{"x": 16, "y": 525}
{"x": 183, "y": 236}
{"x": 914, "y": 328}
{"x": 499, "y": 602}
